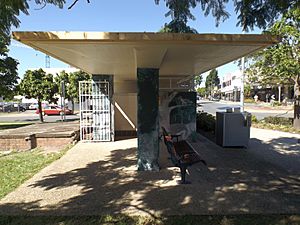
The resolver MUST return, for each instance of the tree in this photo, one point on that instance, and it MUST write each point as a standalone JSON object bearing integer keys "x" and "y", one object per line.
{"x": 73, "y": 87}
{"x": 280, "y": 63}
{"x": 201, "y": 91}
{"x": 37, "y": 84}
{"x": 10, "y": 10}
{"x": 250, "y": 13}
{"x": 62, "y": 77}
{"x": 212, "y": 80}
{"x": 71, "y": 81}
{"x": 8, "y": 70}
{"x": 198, "y": 80}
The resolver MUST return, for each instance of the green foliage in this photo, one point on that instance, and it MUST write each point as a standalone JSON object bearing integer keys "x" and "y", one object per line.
{"x": 177, "y": 26}
{"x": 201, "y": 91}
{"x": 254, "y": 119}
{"x": 63, "y": 77}
{"x": 11, "y": 9}
{"x": 198, "y": 80}
{"x": 206, "y": 122}
{"x": 249, "y": 100}
{"x": 279, "y": 64}
{"x": 250, "y": 13}
{"x": 279, "y": 120}
{"x": 37, "y": 84}
{"x": 276, "y": 123}
{"x": 8, "y": 70}
{"x": 73, "y": 87}
{"x": 212, "y": 80}
{"x": 247, "y": 90}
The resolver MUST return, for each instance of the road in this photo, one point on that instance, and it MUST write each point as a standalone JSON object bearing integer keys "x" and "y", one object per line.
{"x": 213, "y": 107}
{"x": 30, "y": 116}
{"x": 207, "y": 106}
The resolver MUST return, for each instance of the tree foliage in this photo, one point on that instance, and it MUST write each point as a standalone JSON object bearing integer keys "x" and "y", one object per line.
{"x": 201, "y": 91}
{"x": 63, "y": 76}
{"x": 11, "y": 9}
{"x": 250, "y": 13}
{"x": 71, "y": 81}
{"x": 198, "y": 80}
{"x": 280, "y": 63}
{"x": 212, "y": 80}
{"x": 74, "y": 79}
{"x": 37, "y": 84}
{"x": 8, "y": 70}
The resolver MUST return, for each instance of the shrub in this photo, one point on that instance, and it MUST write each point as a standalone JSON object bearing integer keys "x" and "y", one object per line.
{"x": 254, "y": 119}
{"x": 249, "y": 100}
{"x": 206, "y": 122}
{"x": 276, "y": 103}
{"x": 279, "y": 120}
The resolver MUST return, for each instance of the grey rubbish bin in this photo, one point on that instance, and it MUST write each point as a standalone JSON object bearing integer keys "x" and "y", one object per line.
{"x": 233, "y": 129}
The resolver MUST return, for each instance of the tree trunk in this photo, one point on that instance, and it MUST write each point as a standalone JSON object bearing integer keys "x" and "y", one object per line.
{"x": 40, "y": 111}
{"x": 279, "y": 93}
{"x": 297, "y": 103}
{"x": 73, "y": 106}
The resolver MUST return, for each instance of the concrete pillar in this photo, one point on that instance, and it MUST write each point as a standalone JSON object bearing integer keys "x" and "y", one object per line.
{"x": 148, "y": 119}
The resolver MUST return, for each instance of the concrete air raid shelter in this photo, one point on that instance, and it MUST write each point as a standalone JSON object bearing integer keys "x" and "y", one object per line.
{"x": 141, "y": 81}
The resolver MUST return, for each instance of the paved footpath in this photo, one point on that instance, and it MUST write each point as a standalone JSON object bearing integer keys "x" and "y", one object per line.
{"x": 101, "y": 178}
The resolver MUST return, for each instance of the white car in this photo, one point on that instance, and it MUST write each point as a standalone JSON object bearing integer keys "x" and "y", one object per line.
{"x": 33, "y": 106}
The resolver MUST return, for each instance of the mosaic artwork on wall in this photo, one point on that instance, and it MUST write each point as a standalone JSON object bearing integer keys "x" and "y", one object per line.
{"x": 178, "y": 112}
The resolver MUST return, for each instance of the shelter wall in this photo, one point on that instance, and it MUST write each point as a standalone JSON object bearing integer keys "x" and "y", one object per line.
{"x": 125, "y": 112}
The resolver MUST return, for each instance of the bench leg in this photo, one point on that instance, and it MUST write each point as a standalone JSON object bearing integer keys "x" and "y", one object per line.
{"x": 183, "y": 175}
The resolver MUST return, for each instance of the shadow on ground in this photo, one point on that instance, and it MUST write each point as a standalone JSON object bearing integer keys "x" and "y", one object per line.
{"x": 237, "y": 181}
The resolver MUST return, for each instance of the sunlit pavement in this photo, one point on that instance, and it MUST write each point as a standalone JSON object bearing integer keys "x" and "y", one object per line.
{"x": 101, "y": 178}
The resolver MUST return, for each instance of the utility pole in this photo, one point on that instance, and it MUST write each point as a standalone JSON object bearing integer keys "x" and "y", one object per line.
{"x": 242, "y": 83}
{"x": 47, "y": 61}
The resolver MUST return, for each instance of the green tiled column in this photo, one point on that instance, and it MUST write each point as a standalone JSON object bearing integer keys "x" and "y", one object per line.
{"x": 148, "y": 119}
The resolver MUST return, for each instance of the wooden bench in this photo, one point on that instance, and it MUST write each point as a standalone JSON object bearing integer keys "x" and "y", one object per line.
{"x": 182, "y": 155}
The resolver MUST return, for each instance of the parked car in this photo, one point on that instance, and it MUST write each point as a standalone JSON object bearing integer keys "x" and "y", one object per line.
{"x": 34, "y": 106}
{"x": 54, "y": 110}
{"x": 19, "y": 108}
{"x": 12, "y": 107}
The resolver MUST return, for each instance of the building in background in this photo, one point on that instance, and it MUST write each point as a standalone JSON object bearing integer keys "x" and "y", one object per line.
{"x": 231, "y": 86}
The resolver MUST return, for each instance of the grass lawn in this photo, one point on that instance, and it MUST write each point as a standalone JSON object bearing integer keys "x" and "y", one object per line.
{"x": 11, "y": 125}
{"x": 15, "y": 168}
{"x": 171, "y": 220}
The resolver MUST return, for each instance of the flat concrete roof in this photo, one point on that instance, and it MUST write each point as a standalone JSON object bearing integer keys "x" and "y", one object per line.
{"x": 121, "y": 53}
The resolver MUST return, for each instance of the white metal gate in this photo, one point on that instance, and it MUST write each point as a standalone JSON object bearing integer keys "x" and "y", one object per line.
{"x": 95, "y": 111}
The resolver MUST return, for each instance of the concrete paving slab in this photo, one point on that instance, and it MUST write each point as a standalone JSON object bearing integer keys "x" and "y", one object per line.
{"x": 101, "y": 178}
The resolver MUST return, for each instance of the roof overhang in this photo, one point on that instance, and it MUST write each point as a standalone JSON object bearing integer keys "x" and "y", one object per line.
{"x": 121, "y": 53}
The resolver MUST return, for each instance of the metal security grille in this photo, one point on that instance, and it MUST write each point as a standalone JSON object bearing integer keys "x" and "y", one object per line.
{"x": 95, "y": 111}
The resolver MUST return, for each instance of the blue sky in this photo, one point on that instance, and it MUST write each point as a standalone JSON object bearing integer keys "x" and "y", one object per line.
{"x": 107, "y": 15}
